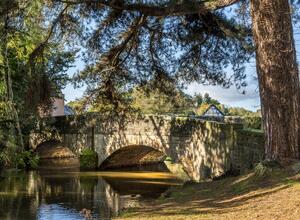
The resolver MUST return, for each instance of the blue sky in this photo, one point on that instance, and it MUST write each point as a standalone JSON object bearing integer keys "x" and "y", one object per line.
{"x": 230, "y": 97}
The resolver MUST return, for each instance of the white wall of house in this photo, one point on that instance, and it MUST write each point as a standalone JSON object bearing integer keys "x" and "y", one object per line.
{"x": 58, "y": 108}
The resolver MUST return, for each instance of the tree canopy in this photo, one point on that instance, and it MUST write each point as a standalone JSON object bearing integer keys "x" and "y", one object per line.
{"x": 125, "y": 46}
{"x": 33, "y": 65}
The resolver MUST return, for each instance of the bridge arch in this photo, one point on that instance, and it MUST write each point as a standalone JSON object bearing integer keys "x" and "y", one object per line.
{"x": 53, "y": 149}
{"x": 140, "y": 148}
{"x": 133, "y": 155}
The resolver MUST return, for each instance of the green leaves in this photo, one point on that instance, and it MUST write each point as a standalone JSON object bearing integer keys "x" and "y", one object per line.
{"x": 26, "y": 159}
{"x": 33, "y": 65}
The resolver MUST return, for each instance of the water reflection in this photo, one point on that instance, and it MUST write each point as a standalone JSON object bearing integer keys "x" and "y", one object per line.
{"x": 71, "y": 194}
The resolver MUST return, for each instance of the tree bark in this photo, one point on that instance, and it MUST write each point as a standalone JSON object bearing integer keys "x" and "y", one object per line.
{"x": 278, "y": 77}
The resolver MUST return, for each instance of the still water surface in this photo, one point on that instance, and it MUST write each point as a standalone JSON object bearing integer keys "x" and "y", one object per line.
{"x": 73, "y": 194}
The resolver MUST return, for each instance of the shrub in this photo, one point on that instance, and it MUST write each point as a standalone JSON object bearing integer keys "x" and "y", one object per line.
{"x": 252, "y": 122}
{"x": 26, "y": 159}
{"x": 4, "y": 160}
{"x": 88, "y": 159}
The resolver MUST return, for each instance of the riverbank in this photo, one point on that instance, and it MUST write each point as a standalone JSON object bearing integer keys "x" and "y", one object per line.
{"x": 273, "y": 195}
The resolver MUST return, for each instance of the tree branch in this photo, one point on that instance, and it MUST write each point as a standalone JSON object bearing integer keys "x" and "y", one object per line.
{"x": 41, "y": 45}
{"x": 183, "y": 8}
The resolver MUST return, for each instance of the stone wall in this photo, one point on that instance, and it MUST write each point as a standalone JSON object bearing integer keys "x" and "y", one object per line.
{"x": 249, "y": 149}
{"x": 205, "y": 149}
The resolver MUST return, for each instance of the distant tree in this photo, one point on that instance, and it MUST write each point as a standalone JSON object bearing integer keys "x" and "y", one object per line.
{"x": 77, "y": 106}
{"x": 235, "y": 111}
{"x": 155, "y": 101}
{"x": 223, "y": 108}
{"x": 209, "y": 100}
{"x": 202, "y": 108}
{"x": 198, "y": 99}
{"x": 206, "y": 98}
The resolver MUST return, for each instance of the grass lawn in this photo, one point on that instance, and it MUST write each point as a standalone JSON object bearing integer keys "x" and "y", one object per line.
{"x": 273, "y": 195}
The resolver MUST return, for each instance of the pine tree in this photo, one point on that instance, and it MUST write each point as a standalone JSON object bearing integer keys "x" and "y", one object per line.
{"x": 146, "y": 36}
{"x": 278, "y": 77}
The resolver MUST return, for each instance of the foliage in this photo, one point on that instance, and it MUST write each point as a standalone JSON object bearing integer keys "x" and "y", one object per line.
{"x": 202, "y": 108}
{"x": 87, "y": 152}
{"x": 144, "y": 99}
{"x": 127, "y": 48}
{"x": 26, "y": 159}
{"x": 155, "y": 101}
{"x": 267, "y": 169}
{"x": 88, "y": 159}
{"x": 234, "y": 111}
{"x": 8, "y": 143}
{"x": 21, "y": 160}
{"x": 33, "y": 64}
{"x": 252, "y": 122}
{"x": 198, "y": 99}
{"x": 4, "y": 159}
{"x": 250, "y": 119}
{"x": 77, "y": 106}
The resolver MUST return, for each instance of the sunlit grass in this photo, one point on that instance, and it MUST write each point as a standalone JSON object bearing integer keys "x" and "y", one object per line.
{"x": 245, "y": 197}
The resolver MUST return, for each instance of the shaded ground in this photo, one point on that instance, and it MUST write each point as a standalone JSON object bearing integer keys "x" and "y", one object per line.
{"x": 276, "y": 195}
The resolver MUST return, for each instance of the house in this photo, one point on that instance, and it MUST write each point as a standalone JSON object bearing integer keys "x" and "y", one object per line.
{"x": 58, "y": 108}
{"x": 69, "y": 110}
{"x": 213, "y": 111}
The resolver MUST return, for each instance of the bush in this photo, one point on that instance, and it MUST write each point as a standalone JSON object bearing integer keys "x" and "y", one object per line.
{"x": 26, "y": 159}
{"x": 252, "y": 122}
{"x": 88, "y": 159}
{"x": 3, "y": 159}
{"x": 20, "y": 160}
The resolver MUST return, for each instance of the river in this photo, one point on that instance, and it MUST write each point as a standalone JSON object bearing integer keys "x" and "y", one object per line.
{"x": 62, "y": 194}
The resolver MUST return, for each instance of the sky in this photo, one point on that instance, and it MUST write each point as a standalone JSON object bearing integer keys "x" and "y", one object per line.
{"x": 230, "y": 97}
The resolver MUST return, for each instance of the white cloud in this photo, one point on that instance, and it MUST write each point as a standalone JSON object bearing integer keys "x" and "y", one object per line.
{"x": 231, "y": 96}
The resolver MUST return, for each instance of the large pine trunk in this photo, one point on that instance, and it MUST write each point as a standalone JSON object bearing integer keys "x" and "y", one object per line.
{"x": 278, "y": 77}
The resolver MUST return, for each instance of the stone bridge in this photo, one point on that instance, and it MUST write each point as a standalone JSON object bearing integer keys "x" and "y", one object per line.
{"x": 205, "y": 149}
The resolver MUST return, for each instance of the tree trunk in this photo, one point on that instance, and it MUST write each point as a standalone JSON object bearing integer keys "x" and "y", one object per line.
{"x": 278, "y": 77}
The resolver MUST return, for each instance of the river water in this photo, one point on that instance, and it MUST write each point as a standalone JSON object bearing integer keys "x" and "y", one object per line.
{"x": 62, "y": 194}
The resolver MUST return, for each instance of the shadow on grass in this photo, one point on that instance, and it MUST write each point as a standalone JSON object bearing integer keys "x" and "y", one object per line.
{"x": 217, "y": 197}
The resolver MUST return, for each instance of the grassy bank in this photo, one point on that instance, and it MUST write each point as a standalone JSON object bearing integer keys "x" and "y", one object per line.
{"x": 273, "y": 195}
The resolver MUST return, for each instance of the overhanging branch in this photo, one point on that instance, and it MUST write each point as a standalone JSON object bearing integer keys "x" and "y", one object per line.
{"x": 182, "y": 8}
